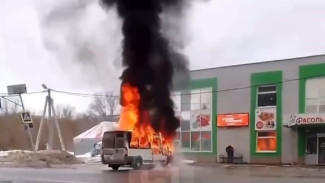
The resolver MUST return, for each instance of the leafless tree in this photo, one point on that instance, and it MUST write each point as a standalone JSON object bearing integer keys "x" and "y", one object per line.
{"x": 103, "y": 107}
{"x": 65, "y": 111}
{"x": 9, "y": 106}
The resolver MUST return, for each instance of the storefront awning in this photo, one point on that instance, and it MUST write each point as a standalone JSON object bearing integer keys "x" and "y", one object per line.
{"x": 305, "y": 119}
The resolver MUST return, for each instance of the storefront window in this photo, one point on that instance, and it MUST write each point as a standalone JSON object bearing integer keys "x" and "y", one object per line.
{"x": 315, "y": 95}
{"x": 311, "y": 145}
{"x": 206, "y": 141}
{"x": 185, "y": 139}
{"x": 196, "y": 121}
{"x": 266, "y": 96}
{"x": 266, "y": 141}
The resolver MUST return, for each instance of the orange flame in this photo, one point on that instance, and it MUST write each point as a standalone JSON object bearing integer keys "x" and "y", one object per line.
{"x": 143, "y": 135}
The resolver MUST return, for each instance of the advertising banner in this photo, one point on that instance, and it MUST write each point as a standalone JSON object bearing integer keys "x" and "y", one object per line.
{"x": 201, "y": 120}
{"x": 265, "y": 119}
{"x": 229, "y": 120}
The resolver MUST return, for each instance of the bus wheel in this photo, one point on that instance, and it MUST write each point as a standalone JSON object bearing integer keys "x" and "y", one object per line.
{"x": 137, "y": 163}
{"x": 169, "y": 160}
{"x": 115, "y": 167}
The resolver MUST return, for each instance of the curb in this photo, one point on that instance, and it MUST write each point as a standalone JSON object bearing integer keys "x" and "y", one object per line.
{"x": 224, "y": 165}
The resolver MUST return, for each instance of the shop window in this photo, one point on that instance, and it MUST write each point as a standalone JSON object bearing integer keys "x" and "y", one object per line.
{"x": 311, "y": 145}
{"x": 185, "y": 121}
{"x": 206, "y": 141}
{"x": 186, "y": 140}
{"x": 321, "y": 106}
{"x": 266, "y": 141}
{"x": 315, "y": 95}
{"x": 176, "y": 97}
{"x": 195, "y": 100}
{"x": 195, "y": 132}
{"x": 185, "y": 101}
{"x": 311, "y": 105}
{"x": 266, "y": 96}
{"x": 195, "y": 141}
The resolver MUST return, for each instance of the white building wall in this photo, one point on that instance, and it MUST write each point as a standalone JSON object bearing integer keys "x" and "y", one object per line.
{"x": 232, "y": 100}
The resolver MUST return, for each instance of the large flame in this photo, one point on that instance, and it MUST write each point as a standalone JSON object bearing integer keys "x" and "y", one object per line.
{"x": 143, "y": 135}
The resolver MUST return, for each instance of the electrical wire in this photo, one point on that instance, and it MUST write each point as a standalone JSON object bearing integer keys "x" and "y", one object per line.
{"x": 188, "y": 93}
{"x": 82, "y": 94}
{"x": 11, "y": 101}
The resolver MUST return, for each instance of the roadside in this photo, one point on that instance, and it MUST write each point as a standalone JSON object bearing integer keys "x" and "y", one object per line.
{"x": 225, "y": 165}
{"x": 39, "y": 159}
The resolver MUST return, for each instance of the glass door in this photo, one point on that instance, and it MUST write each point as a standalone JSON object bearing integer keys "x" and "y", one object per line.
{"x": 321, "y": 150}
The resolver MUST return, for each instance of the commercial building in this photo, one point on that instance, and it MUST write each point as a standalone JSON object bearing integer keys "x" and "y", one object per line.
{"x": 270, "y": 112}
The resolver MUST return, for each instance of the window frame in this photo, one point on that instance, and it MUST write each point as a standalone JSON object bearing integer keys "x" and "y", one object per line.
{"x": 320, "y": 98}
{"x": 320, "y": 101}
{"x": 180, "y": 131}
{"x": 266, "y": 92}
{"x": 267, "y": 137}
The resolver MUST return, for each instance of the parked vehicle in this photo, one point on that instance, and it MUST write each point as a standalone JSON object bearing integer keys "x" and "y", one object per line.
{"x": 96, "y": 150}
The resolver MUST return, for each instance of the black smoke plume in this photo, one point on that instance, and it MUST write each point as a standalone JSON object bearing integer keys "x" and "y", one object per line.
{"x": 149, "y": 59}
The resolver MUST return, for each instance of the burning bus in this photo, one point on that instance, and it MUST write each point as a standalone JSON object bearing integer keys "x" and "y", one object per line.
{"x": 135, "y": 142}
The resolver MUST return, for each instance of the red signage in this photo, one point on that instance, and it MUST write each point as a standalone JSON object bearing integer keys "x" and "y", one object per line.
{"x": 227, "y": 120}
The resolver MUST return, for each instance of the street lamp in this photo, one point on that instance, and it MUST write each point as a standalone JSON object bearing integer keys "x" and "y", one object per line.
{"x": 44, "y": 86}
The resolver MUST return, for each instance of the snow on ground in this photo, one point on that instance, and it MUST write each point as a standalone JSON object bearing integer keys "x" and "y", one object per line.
{"x": 6, "y": 153}
{"x": 188, "y": 161}
{"x": 38, "y": 159}
{"x": 86, "y": 155}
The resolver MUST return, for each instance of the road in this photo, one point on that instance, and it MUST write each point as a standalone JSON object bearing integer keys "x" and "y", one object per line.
{"x": 182, "y": 174}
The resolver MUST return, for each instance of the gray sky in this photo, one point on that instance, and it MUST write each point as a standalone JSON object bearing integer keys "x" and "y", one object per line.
{"x": 45, "y": 41}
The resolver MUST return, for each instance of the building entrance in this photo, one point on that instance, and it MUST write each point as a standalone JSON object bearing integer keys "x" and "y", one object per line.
{"x": 321, "y": 149}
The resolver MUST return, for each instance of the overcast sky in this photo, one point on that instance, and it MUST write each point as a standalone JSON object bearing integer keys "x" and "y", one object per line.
{"x": 46, "y": 41}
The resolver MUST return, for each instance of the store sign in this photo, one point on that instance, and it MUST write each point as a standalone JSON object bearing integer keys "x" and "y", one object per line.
{"x": 228, "y": 120}
{"x": 306, "y": 119}
{"x": 265, "y": 119}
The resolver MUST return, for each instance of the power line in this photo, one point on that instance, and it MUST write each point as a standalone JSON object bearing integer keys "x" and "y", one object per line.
{"x": 189, "y": 93}
{"x": 213, "y": 91}
{"x": 83, "y": 94}
{"x": 16, "y": 95}
{"x": 251, "y": 86}
{"x": 11, "y": 101}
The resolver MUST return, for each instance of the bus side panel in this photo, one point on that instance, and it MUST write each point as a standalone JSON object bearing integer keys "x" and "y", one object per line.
{"x": 146, "y": 154}
{"x": 159, "y": 157}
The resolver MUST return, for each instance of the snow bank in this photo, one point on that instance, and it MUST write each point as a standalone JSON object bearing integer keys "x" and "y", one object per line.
{"x": 6, "y": 153}
{"x": 39, "y": 158}
{"x": 86, "y": 155}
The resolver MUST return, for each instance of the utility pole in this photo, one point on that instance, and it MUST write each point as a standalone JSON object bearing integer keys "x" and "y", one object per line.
{"x": 19, "y": 90}
{"x": 50, "y": 124}
{"x": 49, "y": 104}
{"x": 26, "y": 126}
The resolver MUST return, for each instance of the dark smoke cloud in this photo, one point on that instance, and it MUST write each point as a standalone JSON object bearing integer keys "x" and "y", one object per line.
{"x": 150, "y": 60}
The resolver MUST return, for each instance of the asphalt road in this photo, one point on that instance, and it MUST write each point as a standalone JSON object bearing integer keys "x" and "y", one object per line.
{"x": 181, "y": 174}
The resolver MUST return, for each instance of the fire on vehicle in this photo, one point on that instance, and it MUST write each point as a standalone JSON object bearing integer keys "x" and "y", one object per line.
{"x": 135, "y": 142}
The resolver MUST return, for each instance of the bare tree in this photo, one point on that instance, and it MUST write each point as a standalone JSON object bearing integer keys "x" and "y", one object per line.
{"x": 9, "y": 106}
{"x": 103, "y": 107}
{"x": 64, "y": 111}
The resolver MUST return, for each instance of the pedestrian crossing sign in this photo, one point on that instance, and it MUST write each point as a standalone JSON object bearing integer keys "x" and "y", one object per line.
{"x": 26, "y": 117}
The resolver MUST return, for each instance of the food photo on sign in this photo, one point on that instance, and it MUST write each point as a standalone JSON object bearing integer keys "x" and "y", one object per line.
{"x": 265, "y": 119}
{"x": 200, "y": 120}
